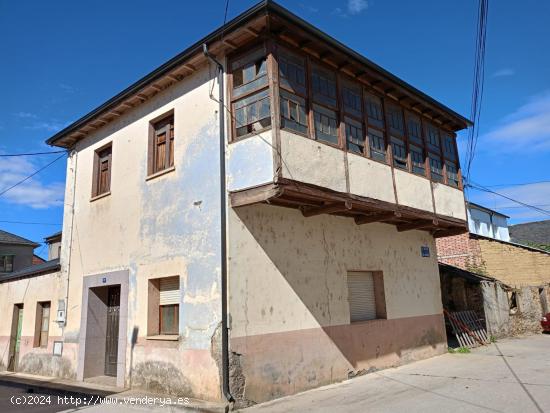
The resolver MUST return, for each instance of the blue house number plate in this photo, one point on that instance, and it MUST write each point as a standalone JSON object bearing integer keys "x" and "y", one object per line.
{"x": 425, "y": 251}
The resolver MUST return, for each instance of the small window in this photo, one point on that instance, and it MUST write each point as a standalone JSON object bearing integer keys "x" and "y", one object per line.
{"x": 399, "y": 152}
{"x": 366, "y": 296}
{"x": 102, "y": 171}
{"x": 249, "y": 73}
{"x": 161, "y": 145}
{"x": 351, "y": 99}
{"x": 448, "y": 146}
{"x": 293, "y": 112}
{"x": 373, "y": 106}
{"x": 432, "y": 136}
{"x": 417, "y": 159}
{"x": 452, "y": 173}
{"x": 323, "y": 86}
{"x": 42, "y": 324}
{"x": 436, "y": 168}
{"x": 377, "y": 145}
{"x": 513, "y": 302}
{"x": 292, "y": 73}
{"x": 163, "y": 306}
{"x": 6, "y": 263}
{"x": 354, "y": 136}
{"x": 395, "y": 120}
{"x": 414, "y": 128}
{"x": 326, "y": 124}
{"x": 252, "y": 113}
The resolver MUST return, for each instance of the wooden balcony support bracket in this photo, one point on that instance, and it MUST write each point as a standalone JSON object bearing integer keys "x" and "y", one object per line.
{"x": 377, "y": 217}
{"x": 420, "y": 224}
{"x": 329, "y": 208}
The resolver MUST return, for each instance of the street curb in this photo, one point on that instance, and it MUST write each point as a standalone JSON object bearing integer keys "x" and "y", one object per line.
{"x": 64, "y": 389}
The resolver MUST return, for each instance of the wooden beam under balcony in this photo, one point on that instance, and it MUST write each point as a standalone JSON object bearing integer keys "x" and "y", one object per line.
{"x": 420, "y": 224}
{"x": 384, "y": 216}
{"x": 330, "y": 208}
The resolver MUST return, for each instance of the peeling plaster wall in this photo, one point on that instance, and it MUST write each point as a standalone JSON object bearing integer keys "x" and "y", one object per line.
{"x": 166, "y": 226}
{"x": 29, "y": 292}
{"x": 289, "y": 305}
{"x": 250, "y": 162}
{"x": 449, "y": 201}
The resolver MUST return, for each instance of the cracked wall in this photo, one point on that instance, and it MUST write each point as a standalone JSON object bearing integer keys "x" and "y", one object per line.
{"x": 153, "y": 228}
{"x": 288, "y": 299}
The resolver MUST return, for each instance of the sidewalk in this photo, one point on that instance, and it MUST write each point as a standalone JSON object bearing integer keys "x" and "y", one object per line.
{"x": 92, "y": 395}
{"x": 512, "y": 375}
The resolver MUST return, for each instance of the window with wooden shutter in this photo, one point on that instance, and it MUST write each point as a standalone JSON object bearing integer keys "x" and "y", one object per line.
{"x": 366, "y": 295}
{"x": 169, "y": 298}
{"x": 6, "y": 263}
{"x": 161, "y": 145}
{"x": 102, "y": 171}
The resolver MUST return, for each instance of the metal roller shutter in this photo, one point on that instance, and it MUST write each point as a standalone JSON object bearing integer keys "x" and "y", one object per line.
{"x": 362, "y": 305}
{"x": 169, "y": 290}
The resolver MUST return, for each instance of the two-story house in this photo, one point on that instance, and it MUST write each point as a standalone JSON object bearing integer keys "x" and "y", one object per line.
{"x": 257, "y": 217}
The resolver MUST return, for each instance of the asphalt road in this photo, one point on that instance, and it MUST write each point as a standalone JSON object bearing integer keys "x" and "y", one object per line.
{"x": 13, "y": 399}
{"x": 512, "y": 375}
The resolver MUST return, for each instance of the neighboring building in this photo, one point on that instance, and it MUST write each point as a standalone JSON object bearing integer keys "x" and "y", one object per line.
{"x": 487, "y": 249}
{"x": 29, "y": 330}
{"x": 54, "y": 245}
{"x": 339, "y": 178}
{"x": 16, "y": 252}
{"x": 532, "y": 233}
{"x": 488, "y": 223}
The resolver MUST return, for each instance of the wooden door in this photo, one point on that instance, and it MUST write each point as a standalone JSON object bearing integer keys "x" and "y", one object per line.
{"x": 15, "y": 338}
{"x": 111, "y": 342}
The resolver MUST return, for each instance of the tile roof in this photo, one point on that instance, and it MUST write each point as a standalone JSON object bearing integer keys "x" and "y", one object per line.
{"x": 9, "y": 238}
{"x": 33, "y": 270}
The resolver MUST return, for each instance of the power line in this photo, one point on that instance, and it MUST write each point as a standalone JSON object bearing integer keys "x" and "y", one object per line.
{"x": 517, "y": 184}
{"x": 485, "y": 189}
{"x": 3, "y": 155}
{"x": 30, "y": 223}
{"x": 31, "y": 175}
{"x": 478, "y": 83}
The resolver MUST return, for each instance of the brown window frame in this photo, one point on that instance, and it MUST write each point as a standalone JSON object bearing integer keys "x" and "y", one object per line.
{"x": 102, "y": 157}
{"x": 164, "y": 124}
{"x": 176, "y": 309}
{"x": 41, "y": 336}
{"x": 236, "y": 97}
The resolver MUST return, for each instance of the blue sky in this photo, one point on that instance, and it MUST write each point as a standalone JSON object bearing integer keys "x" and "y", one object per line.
{"x": 63, "y": 58}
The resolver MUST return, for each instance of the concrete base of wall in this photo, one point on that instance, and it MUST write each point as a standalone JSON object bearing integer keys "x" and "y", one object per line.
{"x": 279, "y": 364}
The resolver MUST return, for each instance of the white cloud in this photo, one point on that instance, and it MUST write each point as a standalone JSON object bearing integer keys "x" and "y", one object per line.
{"x": 357, "y": 6}
{"x": 51, "y": 126}
{"x": 525, "y": 130}
{"x": 507, "y": 71}
{"x": 25, "y": 115}
{"x": 533, "y": 194}
{"x": 33, "y": 192}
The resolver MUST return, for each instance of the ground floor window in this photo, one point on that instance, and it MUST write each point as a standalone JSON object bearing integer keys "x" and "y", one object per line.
{"x": 366, "y": 295}
{"x": 163, "y": 306}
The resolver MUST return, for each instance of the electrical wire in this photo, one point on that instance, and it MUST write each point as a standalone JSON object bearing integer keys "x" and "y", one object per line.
{"x": 485, "y": 189}
{"x": 3, "y": 155}
{"x": 30, "y": 223}
{"x": 478, "y": 84}
{"x": 33, "y": 174}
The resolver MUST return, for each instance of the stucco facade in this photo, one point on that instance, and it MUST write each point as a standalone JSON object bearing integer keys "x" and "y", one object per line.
{"x": 289, "y": 299}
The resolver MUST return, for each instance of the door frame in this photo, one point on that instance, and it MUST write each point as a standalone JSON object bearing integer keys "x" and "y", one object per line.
{"x": 16, "y": 328}
{"x": 105, "y": 279}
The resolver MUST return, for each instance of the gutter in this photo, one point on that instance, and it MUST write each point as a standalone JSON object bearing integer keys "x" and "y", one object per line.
{"x": 223, "y": 232}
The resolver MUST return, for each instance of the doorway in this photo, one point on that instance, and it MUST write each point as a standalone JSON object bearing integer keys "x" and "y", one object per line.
{"x": 15, "y": 337}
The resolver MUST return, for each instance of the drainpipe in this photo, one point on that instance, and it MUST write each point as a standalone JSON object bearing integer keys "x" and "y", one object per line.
{"x": 223, "y": 203}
